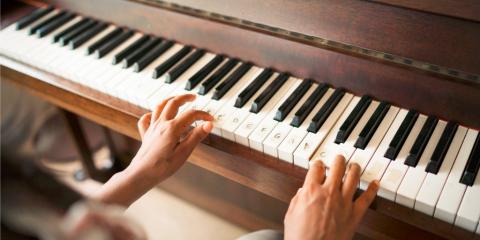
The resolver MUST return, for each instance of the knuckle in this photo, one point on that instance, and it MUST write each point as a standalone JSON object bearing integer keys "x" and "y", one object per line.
{"x": 332, "y": 190}
{"x": 191, "y": 112}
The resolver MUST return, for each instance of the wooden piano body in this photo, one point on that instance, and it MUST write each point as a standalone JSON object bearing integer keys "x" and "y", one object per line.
{"x": 422, "y": 56}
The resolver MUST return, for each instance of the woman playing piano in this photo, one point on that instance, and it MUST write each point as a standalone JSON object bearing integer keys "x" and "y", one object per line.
{"x": 324, "y": 208}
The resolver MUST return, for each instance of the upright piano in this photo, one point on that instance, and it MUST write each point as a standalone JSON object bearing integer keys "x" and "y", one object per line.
{"x": 393, "y": 85}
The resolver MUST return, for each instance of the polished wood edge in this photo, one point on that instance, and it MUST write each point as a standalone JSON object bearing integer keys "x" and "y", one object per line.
{"x": 232, "y": 161}
{"x": 324, "y": 43}
{"x": 465, "y": 9}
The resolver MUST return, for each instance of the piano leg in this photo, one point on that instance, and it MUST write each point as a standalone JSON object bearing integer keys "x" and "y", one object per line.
{"x": 86, "y": 155}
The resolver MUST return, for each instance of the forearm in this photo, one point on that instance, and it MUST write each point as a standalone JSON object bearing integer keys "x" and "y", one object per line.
{"x": 123, "y": 188}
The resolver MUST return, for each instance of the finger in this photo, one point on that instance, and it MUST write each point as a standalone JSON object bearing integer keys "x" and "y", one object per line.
{"x": 186, "y": 147}
{"x": 351, "y": 181}
{"x": 315, "y": 174}
{"x": 336, "y": 172}
{"x": 144, "y": 123}
{"x": 159, "y": 109}
{"x": 186, "y": 119}
{"x": 363, "y": 202}
{"x": 171, "y": 109}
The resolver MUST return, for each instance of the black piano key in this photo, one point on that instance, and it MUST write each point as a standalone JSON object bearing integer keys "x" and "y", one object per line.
{"x": 152, "y": 55}
{"x": 231, "y": 80}
{"x": 194, "y": 80}
{"x": 130, "y": 49}
{"x": 421, "y": 142}
{"x": 473, "y": 164}
{"x": 308, "y": 106}
{"x": 45, "y": 30}
{"x": 347, "y": 127}
{"x": 253, "y": 87}
{"x": 372, "y": 125}
{"x": 32, "y": 17}
{"x": 116, "y": 41}
{"x": 325, "y": 111}
{"x": 86, "y": 36}
{"x": 140, "y": 52}
{"x": 401, "y": 135}
{"x": 104, "y": 40}
{"x": 46, "y": 22}
{"x": 217, "y": 76}
{"x": 292, "y": 100}
{"x": 165, "y": 66}
{"x": 178, "y": 70}
{"x": 268, "y": 93}
{"x": 441, "y": 149}
{"x": 322, "y": 114}
{"x": 67, "y": 38}
{"x": 70, "y": 29}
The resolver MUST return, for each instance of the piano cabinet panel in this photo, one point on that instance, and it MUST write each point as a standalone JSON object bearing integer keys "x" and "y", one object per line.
{"x": 239, "y": 164}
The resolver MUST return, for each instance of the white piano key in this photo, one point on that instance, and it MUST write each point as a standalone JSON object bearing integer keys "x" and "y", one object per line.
{"x": 378, "y": 163}
{"x": 236, "y": 118}
{"x": 17, "y": 42}
{"x": 25, "y": 43}
{"x": 328, "y": 149}
{"x": 312, "y": 141}
{"x": 347, "y": 148}
{"x": 82, "y": 59}
{"x": 93, "y": 74}
{"x": 478, "y": 228}
{"x": 221, "y": 108}
{"x": 45, "y": 52}
{"x": 167, "y": 89}
{"x": 254, "y": 119}
{"x": 468, "y": 214}
{"x": 297, "y": 134}
{"x": 228, "y": 109}
{"x": 280, "y": 132}
{"x": 453, "y": 191}
{"x": 103, "y": 73}
{"x": 363, "y": 156}
{"x": 408, "y": 190}
{"x": 179, "y": 83}
{"x": 256, "y": 138}
{"x": 79, "y": 57}
{"x": 203, "y": 100}
{"x": 433, "y": 184}
{"x": 396, "y": 169}
{"x": 147, "y": 85}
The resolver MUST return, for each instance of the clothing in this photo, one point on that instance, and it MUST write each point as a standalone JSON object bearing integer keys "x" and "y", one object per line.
{"x": 265, "y": 234}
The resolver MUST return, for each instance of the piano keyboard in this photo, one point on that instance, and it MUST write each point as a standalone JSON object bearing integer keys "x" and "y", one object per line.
{"x": 422, "y": 162}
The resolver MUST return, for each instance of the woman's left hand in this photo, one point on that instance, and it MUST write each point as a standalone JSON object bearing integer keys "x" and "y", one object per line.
{"x": 167, "y": 142}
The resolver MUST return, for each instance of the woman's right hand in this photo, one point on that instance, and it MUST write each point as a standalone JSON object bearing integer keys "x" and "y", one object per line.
{"x": 324, "y": 207}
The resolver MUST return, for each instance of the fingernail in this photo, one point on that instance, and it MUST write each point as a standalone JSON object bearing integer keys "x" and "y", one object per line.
{"x": 207, "y": 127}
{"x": 376, "y": 183}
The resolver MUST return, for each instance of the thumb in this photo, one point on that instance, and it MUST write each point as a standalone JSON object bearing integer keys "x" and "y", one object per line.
{"x": 186, "y": 147}
{"x": 197, "y": 135}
